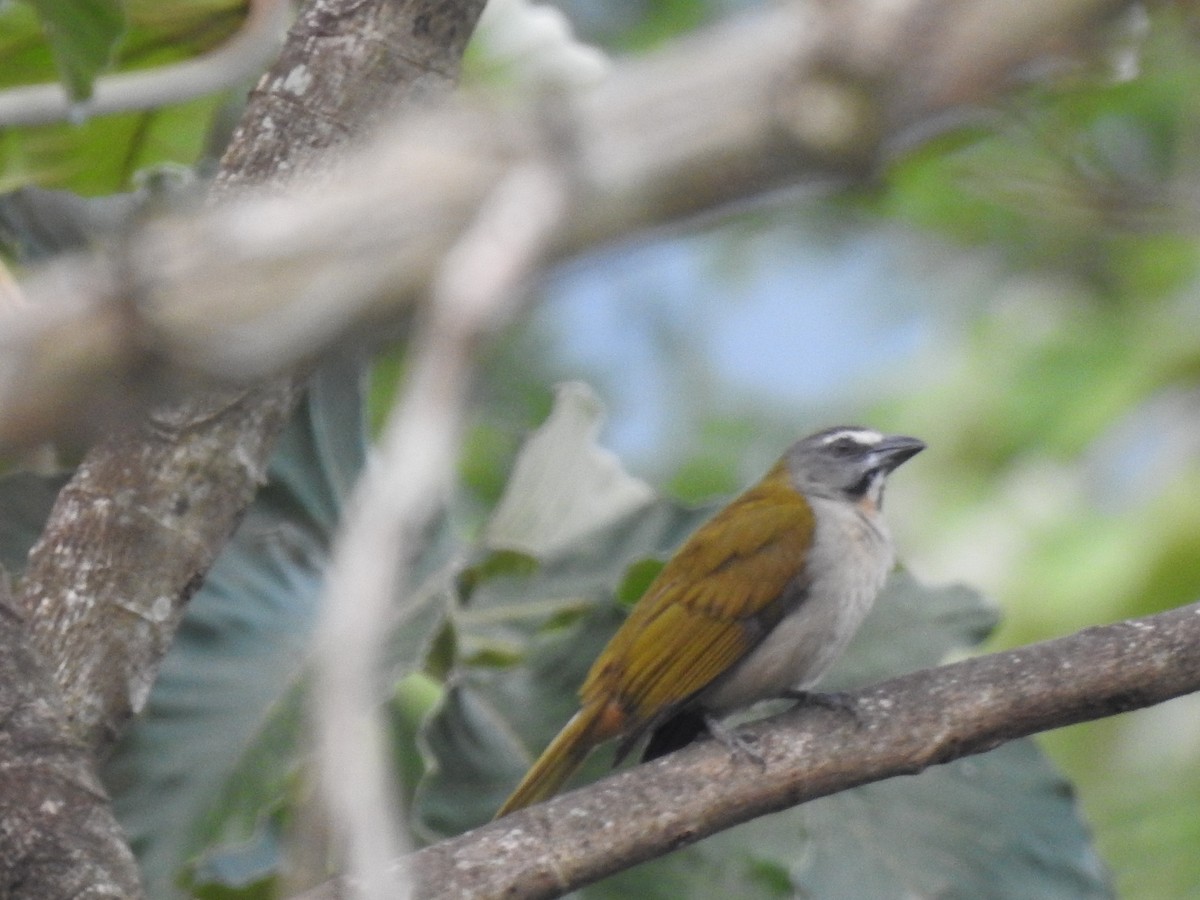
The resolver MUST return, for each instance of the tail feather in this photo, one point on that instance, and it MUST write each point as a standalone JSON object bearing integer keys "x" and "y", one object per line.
{"x": 560, "y": 760}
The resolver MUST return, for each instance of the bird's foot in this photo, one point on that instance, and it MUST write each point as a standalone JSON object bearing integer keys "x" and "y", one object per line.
{"x": 837, "y": 701}
{"x": 736, "y": 744}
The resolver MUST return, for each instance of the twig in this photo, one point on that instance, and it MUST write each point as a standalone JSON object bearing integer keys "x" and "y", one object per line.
{"x": 396, "y": 500}
{"x": 241, "y": 57}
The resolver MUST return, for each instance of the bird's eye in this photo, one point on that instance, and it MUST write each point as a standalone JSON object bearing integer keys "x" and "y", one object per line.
{"x": 845, "y": 446}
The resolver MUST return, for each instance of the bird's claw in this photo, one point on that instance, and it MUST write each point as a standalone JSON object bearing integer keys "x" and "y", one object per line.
{"x": 736, "y": 744}
{"x": 837, "y": 701}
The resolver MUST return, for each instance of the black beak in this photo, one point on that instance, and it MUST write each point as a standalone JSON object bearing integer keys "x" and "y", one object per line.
{"x": 894, "y": 450}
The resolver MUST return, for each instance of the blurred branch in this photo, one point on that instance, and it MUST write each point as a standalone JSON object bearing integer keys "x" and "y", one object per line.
{"x": 241, "y": 57}
{"x": 753, "y": 105}
{"x": 395, "y": 502}
{"x": 902, "y": 726}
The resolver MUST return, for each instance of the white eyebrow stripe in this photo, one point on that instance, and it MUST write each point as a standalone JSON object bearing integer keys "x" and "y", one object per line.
{"x": 861, "y": 435}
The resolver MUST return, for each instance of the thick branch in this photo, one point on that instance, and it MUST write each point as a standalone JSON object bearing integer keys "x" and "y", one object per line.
{"x": 134, "y": 532}
{"x": 58, "y": 836}
{"x": 754, "y": 105}
{"x": 903, "y": 726}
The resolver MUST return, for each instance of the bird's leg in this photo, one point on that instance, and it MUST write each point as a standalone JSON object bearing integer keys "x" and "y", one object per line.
{"x": 732, "y": 741}
{"x": 838, "y": 701}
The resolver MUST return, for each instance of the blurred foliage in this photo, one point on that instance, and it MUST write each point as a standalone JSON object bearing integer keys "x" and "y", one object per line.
{"x": 101, "y": 155}
{"x": 82, "y": 35}
{"x": 1040, "y": 266}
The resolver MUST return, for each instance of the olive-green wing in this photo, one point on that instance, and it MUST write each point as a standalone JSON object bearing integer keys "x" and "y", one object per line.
{"x": 708, "y": 607}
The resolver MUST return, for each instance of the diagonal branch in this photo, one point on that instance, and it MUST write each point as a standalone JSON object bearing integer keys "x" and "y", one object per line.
{"x": 903, "y": 726}
{"x": 134, "y": 532}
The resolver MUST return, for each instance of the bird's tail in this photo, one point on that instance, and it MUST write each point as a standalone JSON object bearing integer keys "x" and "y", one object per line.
{"x": 561, "y": 759}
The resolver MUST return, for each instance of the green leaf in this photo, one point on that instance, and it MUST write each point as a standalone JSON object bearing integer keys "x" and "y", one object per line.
{"x": 493, "y": 721}
{"x": 564, "y": 484}
{"x": 470, "y": 754}
{"x": 913, "y": 626}
{"x": 319, "y": 456}
{"x": 83, "y": 35}
{"x": 1000, "y": 825}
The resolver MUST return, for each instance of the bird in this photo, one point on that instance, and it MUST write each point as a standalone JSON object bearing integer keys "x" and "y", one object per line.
{"x": 756, "y": 604}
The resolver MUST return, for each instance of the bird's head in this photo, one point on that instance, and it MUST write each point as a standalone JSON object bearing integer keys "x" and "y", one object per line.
{"x": 848, "y": 462}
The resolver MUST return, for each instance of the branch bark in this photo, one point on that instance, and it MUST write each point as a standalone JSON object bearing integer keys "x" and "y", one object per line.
{"x": 58, "y": 837}
{"x": 132, "y": 535}
{"x": 902, "y": 727}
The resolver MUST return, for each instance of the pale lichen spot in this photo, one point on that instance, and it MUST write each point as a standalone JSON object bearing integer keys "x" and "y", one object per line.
{"x": 162, "y": 608}
{"x": 298, "y": 80}
{"x": 139, "y": 692}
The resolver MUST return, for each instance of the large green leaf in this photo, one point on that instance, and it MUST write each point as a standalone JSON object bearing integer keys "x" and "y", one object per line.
{"x": 994, "y": 827}
{"x": 1000, "y": 825}
{"x": 564, "y": 484}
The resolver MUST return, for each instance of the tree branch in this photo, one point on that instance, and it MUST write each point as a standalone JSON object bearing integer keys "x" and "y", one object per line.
{"x": 59, "y": 835}
{"x": 136, "y": 529}
{"x": 903, "y": 726}
{"x": 761, "y": 103}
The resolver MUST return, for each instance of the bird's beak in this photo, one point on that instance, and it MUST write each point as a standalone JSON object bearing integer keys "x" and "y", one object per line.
{"x": 894, "y": 450}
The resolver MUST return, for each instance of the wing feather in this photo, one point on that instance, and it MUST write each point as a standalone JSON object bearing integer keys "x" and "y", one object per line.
{"x": 708, "y": 607}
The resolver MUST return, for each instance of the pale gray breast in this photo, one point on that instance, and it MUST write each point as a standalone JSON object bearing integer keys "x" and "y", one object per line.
{"x": 850, "y": 560}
